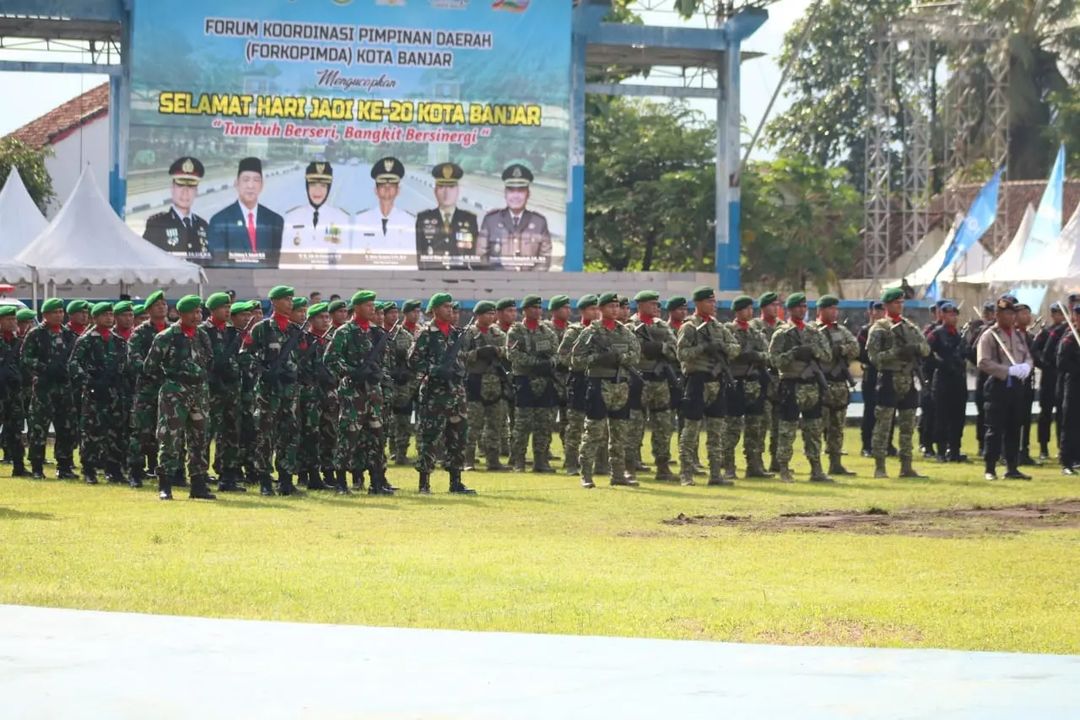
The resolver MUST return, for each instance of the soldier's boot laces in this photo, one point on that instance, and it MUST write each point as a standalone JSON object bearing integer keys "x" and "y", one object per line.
{"x": 458, "y": 487}
{"x": 755, "y": 468}
{"x": 907, "y": 470}
{"x": 817, "y": 474}
{"x": 341, "y": 483}
{"x": 199, "y": 489}
{"x": 425, "y": 483}
{"x": 786, "y": 476}
{"x": 879, "y": 469}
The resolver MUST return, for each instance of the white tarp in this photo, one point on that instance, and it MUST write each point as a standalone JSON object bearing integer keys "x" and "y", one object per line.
{"x": 1005, "y": 263}
{"x": 88, "y": 243}
{"x": 975, "y": 259}
{"x": 1060, "y": 261}
{"x": 20, "y": 222}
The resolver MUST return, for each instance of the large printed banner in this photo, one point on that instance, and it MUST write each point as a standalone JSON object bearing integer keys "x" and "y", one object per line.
{"x": 351, "y": 134}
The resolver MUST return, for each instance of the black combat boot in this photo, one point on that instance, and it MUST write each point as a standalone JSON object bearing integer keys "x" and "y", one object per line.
{"x": 341, "y": 483}
{"x": 199, "y": 489}
{"x": 18, "y": 469}
{"x": 115, "y": 474}
{"x": 266, "y": 485}
{"x": 358, "y": 480}
{"x": 164, "y": 485}
{"x": 37, "y": 471}
{"x": 328, "y": 479}
{"x": 458, "y": 487}
{"x": 425, "y": 483}
{"x": 314, "y": 482}
{"x": 494, "y": 464}
{"x": 285, "y": 484}
{"x": 65, "y": 471}
{"x": 151, "y": 463}
{"x": 89, "y": 474}
{"x": 379, "y": 486}
{"x": 135, "y": 480}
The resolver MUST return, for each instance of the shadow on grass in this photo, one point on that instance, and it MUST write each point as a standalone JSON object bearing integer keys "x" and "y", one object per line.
{"x": 13, "y": 514}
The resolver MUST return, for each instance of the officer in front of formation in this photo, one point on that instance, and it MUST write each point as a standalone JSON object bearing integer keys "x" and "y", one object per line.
{"x": 515, "y": 238}
{"x": 949, "y": 385}
{"x": 446, "y": 236}
{"x": 179, "y": 230}
{"x": 1004, "y": 357}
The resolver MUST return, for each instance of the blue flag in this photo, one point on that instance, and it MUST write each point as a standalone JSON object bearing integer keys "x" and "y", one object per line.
{"x": 980, "y": 216}
{"x": 1047, "y": 226}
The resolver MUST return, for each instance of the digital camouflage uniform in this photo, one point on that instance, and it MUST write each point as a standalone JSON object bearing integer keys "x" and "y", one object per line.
{"x": 142, "y": 438}
{"x": 276, "y": 352}
{"x": 483, "y": 353}
{"x": 307, "y": 410}
{"x": 249, "y": 378}
{"x": 576, "y": 386}
{"x": 843, "y": 350}
{"x": 562, "y": 378}
{"x": 895, "y": 350}
{"x": 405, "y": 386}
{"x": 609, "y": 354}
{"x": 323, "y": 436}
{"x": 659, "y": 394}
{"x": 97, "y": 366}
{"x": 771, "y": 418}
{"x": 532, "y": 354}
{"x": 745, "y": 403}
{"x": 224, "y": 385}
{"x": 794, "y": 352}
{"x": 442, "y": 409}
{"x": 45, "y": 354}
{"x": 704, "y": 348}
{"x": 12, "y": 408}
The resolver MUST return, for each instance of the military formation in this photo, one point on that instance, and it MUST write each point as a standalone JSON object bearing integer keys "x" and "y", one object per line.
{"x": 325, "y": 395}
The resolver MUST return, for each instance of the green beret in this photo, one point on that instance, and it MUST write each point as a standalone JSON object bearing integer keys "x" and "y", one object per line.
{"x": 299, "y": 303}
{"x": 279, "y": 291}
{"x": 767, "y": 299}
{"x": 675, "y": 302}
{"x": 532, "y": 301}
{"x": 122, "y": 307}
{"x": 6, "y": 310}
{"x": 703, "y": 293}
{"x": 319, "y": 307}
{"x": 52, "y": 304}
{"x": 624, "y": 300}
{"x": 239, "y": 306}
{"x": 558, "y": 301}
{"x": 891, "y": 294}
{"x": 153, "y": 298}
{"x": 455, "y": 304}
{"x": 505, "y": 303}
{"x": 25, "y": 314}
{"x": 587, "y": 301}
{"x": 217, "y": 300}
{"x": 361, "y": 296}
{"x": 795, "y": 299}
{"x": 646, "y": 295}
{"x": 188, "y": 303}
{"x": 608, "y": 297}
{"x": 743, "y": 301}
{"x": 336, "y": 305}
{"x": 138, "y": 309}
{"x": 410, "y": 305}
{"x": 389, "y": 305}
{"x": 484, "y": 306}
{"x": 438, "y": 299}
{"x": 77, "y": 306}
{"x": 100, "y": 307}
{"x": 828, "y": 301}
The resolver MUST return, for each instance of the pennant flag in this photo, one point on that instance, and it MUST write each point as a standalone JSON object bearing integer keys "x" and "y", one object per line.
{"x": 979, "y": 218}
{"x": 1047, "y": 227}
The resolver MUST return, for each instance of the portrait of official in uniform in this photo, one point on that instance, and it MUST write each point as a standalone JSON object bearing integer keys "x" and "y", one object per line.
{"x": 178, "y": 230}
{"x": 515, "y": 238}
{"x": 246, "y": 233}
{"x": 446, "y": 236}
{"x": 316, "y": 227}
{"x": 385, "y": 229}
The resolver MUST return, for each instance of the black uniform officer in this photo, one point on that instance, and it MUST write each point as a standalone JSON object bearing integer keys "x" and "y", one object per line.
{"x": 446, "y": 236}
{"x": 927, "y": 433}
{"x": 971, "y": 333}
{"x": 949, "y": 386}
{"x": 1068, "y": 369}
{"x": 179, "y": 230}
{"x": 1044, "y": 348}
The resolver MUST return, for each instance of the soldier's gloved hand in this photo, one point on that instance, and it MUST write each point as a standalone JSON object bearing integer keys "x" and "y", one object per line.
{"x": 804, "y": 353}
{"x": 652, "y": 350}
{"x": 488, "y": 353}
{"x": 608, "y": 359}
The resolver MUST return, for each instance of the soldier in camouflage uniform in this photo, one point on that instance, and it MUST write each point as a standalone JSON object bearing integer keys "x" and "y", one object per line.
{"x": 532, "y": 349}
{"x": 224, "y": 387}
{"x": 97, "y": 366}
{"x": 323, "y": 435}
{"x": 11, "y": 382}
{"x": 142, "y": 438}
{"x": 180, "y": 359}
{"x": 275, "y": 347}
{"x": 843, "y": 350}
{"x": 576, "y": 386}
{"x": 404, "y": 379}
{"x": 559, "y": 307}
{"x": 483, "y": 348}
{"x": 610, "y": 353}
{"x": 705, "y": 348}
{"x": 307, "y": 401}
{"x": 124, "y": 317}
{"x": 767, "y": 324}
{"x": 506, "y": 314}
{"x": 45, "y": 354}
{"x": 441, "y": 405}
{"x": 895, "y": 346}
{"x": 745, "y": 402}
{"x": 659, "y": 384}
{"x": 677, "y": 310}
{"x": 244, "y": 315}
{"x": 78, "y": 312}
{"x": 357, "y": 356}
{"x": 796, "y": 350}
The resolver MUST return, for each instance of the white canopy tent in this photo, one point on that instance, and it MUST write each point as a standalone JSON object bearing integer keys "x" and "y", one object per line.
{"x": 20, "y": 222}
{"x": 1060, "y": 261}
{"x": 974, "y": 260}
{"x": 88, "y": 243}
{"x": 1005, "y": 263}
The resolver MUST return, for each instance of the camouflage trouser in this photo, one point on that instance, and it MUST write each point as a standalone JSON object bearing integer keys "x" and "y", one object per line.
{"x": 401, "y": 427}
{"x": 507, "y": 425}
{"x": 276, "y": 429}
{"x": 895, "y": 394}
{"x": 51, "y": 404}
{"x": 182, "y": 421}
{"x": 702, "y": 409}
{"x": 224, "y": 426}
{"x": 361, "y": 432}
{"x": 606, "y": 428}
{"x": 834, "y": 413}
{"x": 799, "y": 399}
{"x": 142, "y": 439}
{"x": 745, "y": 419}
{"x": 533, "y": 419}
{"x": 101, "y": 434}
{"x": 329, "y": 416}
{"x": 442, "y": 425}
{"x": 12, "y": 416}
{"x": 307, "y": 418}
{"x": 247, "y": 429}
{"x": 771, "y": 415}
{"x": 483, "y": 430}
{"x": 575, "y": 427}
{"x": 658, "y": 417}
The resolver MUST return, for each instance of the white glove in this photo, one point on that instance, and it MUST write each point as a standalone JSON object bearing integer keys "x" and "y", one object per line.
{"x": 1020, "y": 371}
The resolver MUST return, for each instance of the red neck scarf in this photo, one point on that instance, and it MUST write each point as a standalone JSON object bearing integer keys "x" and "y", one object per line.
{"x": 702, "y": 315}
{"x": 77, "y": 328}
{"x": 126, "y": 334}
{"x": 55, "y": 329}
{"x": 9, "y": 336}
{"x": 768, "y": 321}
{"x": 159, "y": 326}
{"x": 951, "y": 329}
{"x": 609, "y": 324}
{"x": 743, "y": 324}
{"x": 505, "y": 327}
{"x": 676, "y": 324}
{"x": 281, "y": 320}
{"x": 561, "y": 324}
{"x": 362, "y": 324}
{"x": 532, "y": 324}
{"x": 894, "y": 319}
{"x": 444, "y": 327}
{"x": 1007, "y": 331}
{"x": 104, "y": 332}
{"x": 483, "y": 329}
{"x": 410, "y": 326}
{"x": 219, "y": 325}
{"x": 798, "y": 323}
{"x": 188, "y": 331}
{"x": 646, "y": 320}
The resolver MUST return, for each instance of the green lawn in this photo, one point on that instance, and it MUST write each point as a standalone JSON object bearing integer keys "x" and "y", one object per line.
{"x": 539, "y": 554}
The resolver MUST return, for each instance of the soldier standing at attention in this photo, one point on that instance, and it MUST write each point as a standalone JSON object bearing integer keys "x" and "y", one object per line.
{"x": 577, "y": 383}
{"x": 971, "y": 334}
{"x": 1068, "y": 373}
{"x": 11, "y": 382}
{"x": 324, "y": 437}
{"x": 796, "y": 350}
{"x": 767, "y": 324}
{"x": 506, "y": 314}
{"x": 659, "y": 384}
{"x": 243, "y": 317}
{"x": 947, "y": 354}
{"x": 275, "y": 347}
{"x": 532, "y": 348}
{"x": 45, "y": 353}
{"x": 224, "y": 392}
{"x": 843, "y": 350}
{"x": 927, "y": 431}
{"x": 339, "y": 312}
{"x": 483, "y": 348}
{"x": 609, "y": 351}
{"x": 142, "y": 440}
{"x": 181, "y": 356}
{"x": 1023, "y": 322}
{"x": 704, "y": 348}
{"x": 97, "y": 365}
{"x": 441, "y": 407}
{"x": 559, "y": 307}
{"x": 874, "y": 312}
{"x": 895, "y": 346}
{"x": 405, "y": 383}
{"x": 745, "y": 402}
{"x": 1003, "y": 355}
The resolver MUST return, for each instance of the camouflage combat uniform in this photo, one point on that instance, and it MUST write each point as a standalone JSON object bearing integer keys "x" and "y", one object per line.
{"x": 442, "y": 409}
{"x": 660, "y": 392}
{"x": 249, "y": 377}
{"x": 794, "y": 352}
{"x": 562, "y": 378}
{"x": 771, "y": 418}
{"x": 576, "y": 386}
{"x": 483, "y": 352}
{"x": 532, "y": 354}
{"x": 142, "y": 438}
{"x": 12, "y": 409}
{"x": 97, "y": 366}
{"x": 895, "y": 349}
{"x": 45, "y": 354}
{"x": 224, "y": 386}
{"x": 744, "y": 414}
{"x": 276, "y": 352}
{"x": 843, "y": 350}
{"x": 324, "y": 440}
{"x": 405, "y": 386}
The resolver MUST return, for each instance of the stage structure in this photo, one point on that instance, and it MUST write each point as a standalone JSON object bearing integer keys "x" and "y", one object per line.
{"x": 974, "y": 116}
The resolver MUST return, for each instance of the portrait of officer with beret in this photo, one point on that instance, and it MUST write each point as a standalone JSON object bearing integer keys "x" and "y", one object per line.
{"x": 178, "y": 230}
{"x": 515, "y": 238}
{"x": 446, "y": 236}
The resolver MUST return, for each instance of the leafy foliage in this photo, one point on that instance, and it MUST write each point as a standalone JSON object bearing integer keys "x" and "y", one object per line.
{"x": 31, "y": 164}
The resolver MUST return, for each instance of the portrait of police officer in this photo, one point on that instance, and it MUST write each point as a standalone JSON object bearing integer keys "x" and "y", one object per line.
{"x": 516, "y": 238}
{"x": 385, "y": 228}
{"x": 315, "y": 226}
{"x": 179, "y": 230}
{"x": 446, "y": 236}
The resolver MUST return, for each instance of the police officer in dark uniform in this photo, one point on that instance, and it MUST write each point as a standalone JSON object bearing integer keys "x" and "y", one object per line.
{"x": 446, "y": 236}
{"x": 1068, "y": 369}
{"x": 1044, "y": 349}
{"x": 514, "y": 237}
{"x": 948, "y": 361}
{"x": 927, "y": 432}
{"x": 178, "y": 230}
{"x": 971, "y": 334}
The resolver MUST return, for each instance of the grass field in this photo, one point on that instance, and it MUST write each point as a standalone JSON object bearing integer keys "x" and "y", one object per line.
{"x": 538, "y": 554}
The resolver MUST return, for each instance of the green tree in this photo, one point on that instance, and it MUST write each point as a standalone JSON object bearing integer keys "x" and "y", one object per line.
{"x": 31, "y": 164}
